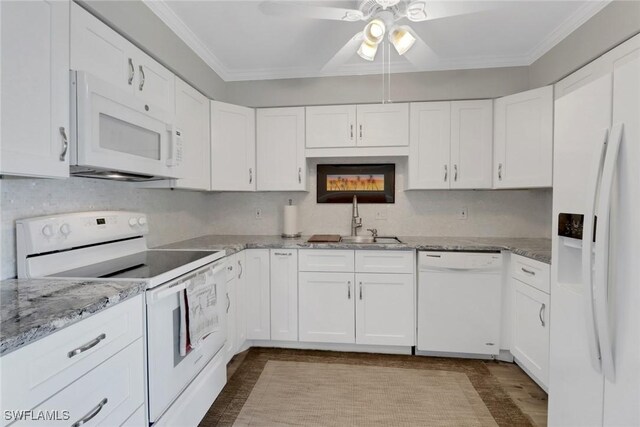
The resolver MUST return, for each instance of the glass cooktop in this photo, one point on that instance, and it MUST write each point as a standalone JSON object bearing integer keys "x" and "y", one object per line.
{"x": 142, "y": 265}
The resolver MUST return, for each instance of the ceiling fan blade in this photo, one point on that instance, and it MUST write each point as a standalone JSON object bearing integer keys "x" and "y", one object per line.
{"x": 421, "y": 10}
{"x": 420, "y": 53}
{"x": 345, "y": 53}
{"x": 287, "y": 8}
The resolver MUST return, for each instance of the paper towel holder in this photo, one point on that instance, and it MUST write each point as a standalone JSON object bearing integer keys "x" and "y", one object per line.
{"x": 291, "y": 236}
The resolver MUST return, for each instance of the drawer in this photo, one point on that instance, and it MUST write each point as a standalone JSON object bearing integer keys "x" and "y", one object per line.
{"x": 107, "y": 395}
{"x": 325, "y": 260}
{"x": 385, "y": 261}
{"x": 232, "y": 267}
{"x": 139, "y": 418}
{"x": 39, "y": 370}
{"x": 533, "y": 273}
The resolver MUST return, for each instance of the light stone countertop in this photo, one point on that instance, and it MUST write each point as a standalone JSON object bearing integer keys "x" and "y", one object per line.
{"x": 31, "y": 309}
{"x": 538, "y": 249}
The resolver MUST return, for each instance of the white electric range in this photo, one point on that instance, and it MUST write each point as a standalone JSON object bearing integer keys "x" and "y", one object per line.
{"x": 112, "y": 245}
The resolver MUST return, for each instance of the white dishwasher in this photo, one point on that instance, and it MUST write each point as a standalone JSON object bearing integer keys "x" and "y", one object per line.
{"x": 459, "y": 302}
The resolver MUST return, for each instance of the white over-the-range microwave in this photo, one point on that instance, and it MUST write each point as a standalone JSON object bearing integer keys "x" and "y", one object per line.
{"x": 116, "y": 135}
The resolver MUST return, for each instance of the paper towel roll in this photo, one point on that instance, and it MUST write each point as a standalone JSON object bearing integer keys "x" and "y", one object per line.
{"x": 290, "y": 227}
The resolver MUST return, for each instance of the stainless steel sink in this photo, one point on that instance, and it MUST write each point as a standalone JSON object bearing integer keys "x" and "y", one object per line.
{"x": 370, "y": 239}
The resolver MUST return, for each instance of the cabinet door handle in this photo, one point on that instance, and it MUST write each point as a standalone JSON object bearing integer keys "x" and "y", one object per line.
{"x": 349, "y": 289}
{"x": 131, "y": 72}
{"x": 541, "y": 315}
{"x": 446, "y": 172}
{"x": 500, "y": 171}
{"x": 351, "y": 131}
{"x": 241, "y": 269}
{"x": 533, "y": 273}
{"x": 360, "y": 291}
{"x": 94, "y": 342}
{"x": 65, "y": 143}
{"x": 228, "y": 302}
{"x": 360, "y": 131}
{"x": 250, "y": 175}
{"x": 299, "y": 175}
{"x": 141, "y": 77}
{"x": 92, "y": 413}
{"x": 455, "y": 172}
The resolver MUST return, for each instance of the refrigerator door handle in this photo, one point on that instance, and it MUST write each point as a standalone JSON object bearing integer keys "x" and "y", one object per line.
{"x": 601, "y": 288}
{"x": 587, "y": 254}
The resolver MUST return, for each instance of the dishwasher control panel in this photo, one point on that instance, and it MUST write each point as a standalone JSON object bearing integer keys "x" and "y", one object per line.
{"x": 459, "y": 260}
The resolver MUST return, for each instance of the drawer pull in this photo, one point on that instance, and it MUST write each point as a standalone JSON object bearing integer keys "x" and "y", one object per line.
{"x": 540, "y": 314}
{"x": 360, "y": 291}
{"x": 283, "y": 253}
{"x": 433, "y": 256}
{"x": 349, "y": 289}
{"x": 86, "y": 347}
{"x": 95, "y": 411}
{"x": 533, "y": 273}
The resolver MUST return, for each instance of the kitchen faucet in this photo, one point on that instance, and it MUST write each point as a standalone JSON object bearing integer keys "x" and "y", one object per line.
{"x": 356, "y": 221}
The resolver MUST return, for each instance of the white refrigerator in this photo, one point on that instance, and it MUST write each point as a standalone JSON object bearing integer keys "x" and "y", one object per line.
{"x": 594, "y": 372}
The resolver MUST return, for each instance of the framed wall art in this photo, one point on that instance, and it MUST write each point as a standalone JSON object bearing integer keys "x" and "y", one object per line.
{"x": 371, "y": 183}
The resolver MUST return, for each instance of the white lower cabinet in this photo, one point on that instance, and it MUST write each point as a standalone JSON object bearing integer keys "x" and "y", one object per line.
{"x": 530, "y": 345}
{"x": 231, "y": 345}
{"x": 384, "y": 309}
{"x": 326, "y": 302}
{"x": 241, "y": 297}
{"x": 258, "y": 300}
{"x": 284, "y": 294}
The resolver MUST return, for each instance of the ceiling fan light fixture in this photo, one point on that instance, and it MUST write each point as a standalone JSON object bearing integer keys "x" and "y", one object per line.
{"x": 374, "y": 31}
{"x": 368, "y": 51}
{"x": 402, "y": 39}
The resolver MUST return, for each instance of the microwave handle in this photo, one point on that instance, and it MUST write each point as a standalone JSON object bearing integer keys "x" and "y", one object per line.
{"x": 175, "y": 146}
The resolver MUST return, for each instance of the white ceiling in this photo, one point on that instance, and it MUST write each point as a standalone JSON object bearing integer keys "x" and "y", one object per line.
{"x": 239, "y": 42}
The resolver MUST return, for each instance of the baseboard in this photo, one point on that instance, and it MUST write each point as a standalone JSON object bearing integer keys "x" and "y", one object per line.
{"x": 505, "y": 356}
{"x": 356, "y": 348}
{"x": 455, "y": 355}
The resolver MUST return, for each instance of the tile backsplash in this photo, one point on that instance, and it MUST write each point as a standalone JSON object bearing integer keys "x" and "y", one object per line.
{"x": 178, "y": 215}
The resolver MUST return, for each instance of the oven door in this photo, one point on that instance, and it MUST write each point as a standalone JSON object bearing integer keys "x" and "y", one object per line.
{"x": 170, "y": 373}
{"x": 114, "y": 130}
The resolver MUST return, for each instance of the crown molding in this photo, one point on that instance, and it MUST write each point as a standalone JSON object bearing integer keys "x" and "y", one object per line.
{"x": 182, "y": 30}
{"x": 568, "y": 26}
{"x": 175, "y": 23}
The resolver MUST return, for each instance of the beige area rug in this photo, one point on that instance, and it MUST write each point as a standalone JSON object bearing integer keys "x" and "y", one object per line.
{"x": 275, "y": 387}
{"x": 323, "y": 394}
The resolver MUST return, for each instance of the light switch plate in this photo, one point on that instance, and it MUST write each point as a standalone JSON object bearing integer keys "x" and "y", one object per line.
{"x": 381, "y": 213}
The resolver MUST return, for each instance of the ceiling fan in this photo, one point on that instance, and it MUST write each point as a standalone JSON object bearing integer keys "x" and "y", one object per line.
{"x": 381, "y": 17}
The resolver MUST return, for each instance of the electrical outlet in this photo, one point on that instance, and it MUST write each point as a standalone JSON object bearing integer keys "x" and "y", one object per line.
{"x": 258, "y": 213}
{"x": 381, "y": 214}
{"x": 462, "y": 213}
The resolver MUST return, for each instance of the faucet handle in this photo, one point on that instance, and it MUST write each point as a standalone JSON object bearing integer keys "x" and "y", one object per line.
{"x": 374, "y": 232}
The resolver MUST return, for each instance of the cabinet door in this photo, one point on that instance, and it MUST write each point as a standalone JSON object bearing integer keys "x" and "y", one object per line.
{"x": 192, "y": 119}
{"x": 327, "y": 307}
{"x": 384, "y": 309}
{"x": 258, "y": 302}
{"x": 231, "y": 345}
{"x": 331, "y": 126}
{"x": 233, "y": 145}
{"x": 429, "y": 145}
{"x": 383, "y": 125}
{"x": 471, "y": 144}
{"x": 531, "y": 330}
{"x": 100, "y": 51}
{"x": 284, "y": 295}
{"x": 281, "y": 161}
{"x": 35, "y": 88}
{"x": 154, "y": 83}
{"x": 523, "y": 147}
{"x": 241, "y": 298}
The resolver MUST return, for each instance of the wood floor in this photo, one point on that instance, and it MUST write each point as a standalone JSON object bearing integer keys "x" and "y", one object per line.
{"x": 529, "y": 397}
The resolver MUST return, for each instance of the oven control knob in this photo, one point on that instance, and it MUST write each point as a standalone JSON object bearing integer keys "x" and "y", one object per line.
{"x": 142, "y": 221}
{"x": 65, "y": 229}
{"x": 133, "y": 222}
{"x": 47, "y": 230}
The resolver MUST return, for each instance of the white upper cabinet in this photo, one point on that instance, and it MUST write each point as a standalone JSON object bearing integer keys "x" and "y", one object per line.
{"x": 35, "y": 88}
{"x": 430, "y": 145}
{"x": 284, "y": 294}
{"x": 523, "y": 140}
{"x": 331, "y": 126}
{"x": 383, "y": 125}
{"x": 102, "y": 52}
{"x": 471, "y": 144}
{"x": 192, "y": 120}
{"x": 233, "y": 147}
{"x": 281, "y": 162}
{"x": 451, "y": 145}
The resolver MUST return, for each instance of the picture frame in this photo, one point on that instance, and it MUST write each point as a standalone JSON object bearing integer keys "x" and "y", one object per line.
{"x": 371, "y": 183}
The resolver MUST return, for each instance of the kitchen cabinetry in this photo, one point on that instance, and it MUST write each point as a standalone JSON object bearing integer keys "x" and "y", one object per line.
{"x": 102, "y": 52}
{"x": 284, "y": 294}
{"x": 530, "y": 342}
{"x": 258, "y": 300}
{"x": 451, "y": 145}
{"x": 231, "y": 344}
{"x": 281, "y": 162}
{"x": 95, "y": 365}
{"x": 35, "y": 88}
{"x": 523, "y": 139}
{"x": 233, "y": 148}
{"x": 383, "y": 125}
{"x": 331, "y": 126}
{"x": 241, "y": 306}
